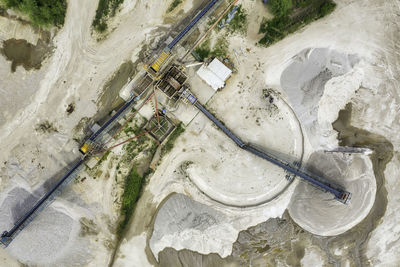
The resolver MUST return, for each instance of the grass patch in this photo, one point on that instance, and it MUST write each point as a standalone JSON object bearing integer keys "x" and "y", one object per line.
{"x": 239, "y": 22}
{"x": 173, "y": 5}
{"x": 204, "y": 50}
{"x": 133, "y": 187}
{"x": 40, "y": 12}
{"x": 134, "y": 147}
{"x": 220, "y": 48}
{"x": 290, "y": 15}
{"x": 280, "y": 8}
{"x": 104, "y": 157}
{"x": 172, "y": 138}
{"x": 105, "y": 10}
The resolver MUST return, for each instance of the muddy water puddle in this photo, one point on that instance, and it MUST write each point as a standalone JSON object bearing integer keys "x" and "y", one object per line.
{"x": 110, "y": 99}
{"x": 22, "y": 53}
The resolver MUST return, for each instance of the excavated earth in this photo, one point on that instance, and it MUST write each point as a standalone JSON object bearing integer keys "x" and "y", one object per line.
{"x": 334, "y": 83}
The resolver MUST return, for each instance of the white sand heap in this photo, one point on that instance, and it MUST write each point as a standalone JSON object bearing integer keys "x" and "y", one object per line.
{"x": 184, "y": 223}
{"x": 52, "y": 238}
{"x": 319, "y": 82}
{"x": 233, "y": 176}
{"x": 314, "y": 210}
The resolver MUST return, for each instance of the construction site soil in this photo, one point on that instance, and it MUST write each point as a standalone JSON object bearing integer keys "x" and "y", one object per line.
{"x": 338, "y": 78}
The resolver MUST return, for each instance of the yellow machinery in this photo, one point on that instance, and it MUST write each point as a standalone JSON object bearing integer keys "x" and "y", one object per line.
{"x": 160, "y": 61}
{"x": 84, "y": 149}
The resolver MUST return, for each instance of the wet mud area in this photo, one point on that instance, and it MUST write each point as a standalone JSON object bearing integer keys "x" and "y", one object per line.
{"x": 275, "y": 242}
{"x": 183, "y": 258}
{"x": 357, "y": 237}
{"x": 22, "y": 53}
{"x": 110, "y": 99}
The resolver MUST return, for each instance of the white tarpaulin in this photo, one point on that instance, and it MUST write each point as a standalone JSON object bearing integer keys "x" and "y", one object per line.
{"x": 215, "y": 74}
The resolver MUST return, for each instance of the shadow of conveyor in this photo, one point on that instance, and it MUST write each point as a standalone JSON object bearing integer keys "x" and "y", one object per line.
{"x": 24, "y": 210}
{"x": 293, "y": 161}
{"x": 305, "y": 167}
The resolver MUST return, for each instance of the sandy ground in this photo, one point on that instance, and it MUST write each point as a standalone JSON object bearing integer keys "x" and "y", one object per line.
{"x": 313, "y": 210}
{"x": 80, "y": 66}
{"x": 353, "y": 57}
{"x": 75, "y": 73}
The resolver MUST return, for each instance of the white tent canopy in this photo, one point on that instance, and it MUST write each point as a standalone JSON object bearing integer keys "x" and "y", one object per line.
{"x": 215, "y": 74}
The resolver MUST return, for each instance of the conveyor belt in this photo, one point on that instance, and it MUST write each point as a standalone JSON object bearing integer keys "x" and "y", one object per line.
{"x": 116, "y": 115}
{"x": 7, "y": 236}
{"x": 220, "y": 125}
{"x": 295, "y": 171}
{"x": 340, "y": 194}
{"x": 191, "y": 25}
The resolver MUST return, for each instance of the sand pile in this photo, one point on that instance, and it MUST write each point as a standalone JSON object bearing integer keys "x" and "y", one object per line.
{"x": 258, "y": 115}
{"x": 232, "y": 176}
{"x": 184, "y": 223}
{"x": 316, "y": 212}
{"x": 315, "y": 94}
{"x": 319, "y": 82}
{"x": 52, "y": 237}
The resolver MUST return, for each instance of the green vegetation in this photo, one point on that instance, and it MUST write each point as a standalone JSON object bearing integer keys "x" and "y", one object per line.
{"x": 204, "y": 51}
{"x": 41, "y": 12}
{"x": 220, "y": 48}
{"x": 280, "y": 7}
{"x": 105, "y": 10}
{"x": 135, "y": 130}
{"x": 104, "y": 157}
{"x": 174, "y": 4}
{"x": 239, "y": 21}
{"x": 290, "y": 15}
{"x": 172, "y": 138}
{"x": 133, "y": 187}
{"x": 134, "y": 147}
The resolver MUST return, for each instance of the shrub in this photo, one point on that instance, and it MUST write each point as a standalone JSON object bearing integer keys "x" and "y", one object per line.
{"x": 41, "y": 12}
{"x": 133, "y": 186}
{"x": 172, "y": 138}
{"x": 239, "y": 22}
{"x": 327, "y": 8}
{"x": 173, "y": 5}
{"x": 285, "y": 22}
{"x": 105, "y": 9}
{"x": 280, "y": 7}
{"x": 203, "y": 51}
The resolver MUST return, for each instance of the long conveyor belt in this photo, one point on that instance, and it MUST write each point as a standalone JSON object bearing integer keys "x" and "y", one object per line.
{"x": 340, "y": 194}
{"x": 192, "y": 24}
{"x": 115, "y": 116}
{"x": 220, "y": 125}
{"x": 7, "y": 236}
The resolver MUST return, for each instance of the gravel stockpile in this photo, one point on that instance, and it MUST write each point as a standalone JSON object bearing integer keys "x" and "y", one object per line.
{"x": 316, "y": 212}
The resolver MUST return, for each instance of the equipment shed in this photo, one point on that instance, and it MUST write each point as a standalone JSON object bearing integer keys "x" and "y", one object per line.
{"x": 215, "y": 74}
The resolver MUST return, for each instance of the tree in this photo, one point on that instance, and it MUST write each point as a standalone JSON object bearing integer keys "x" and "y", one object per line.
{"x": 280, "y": 8}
